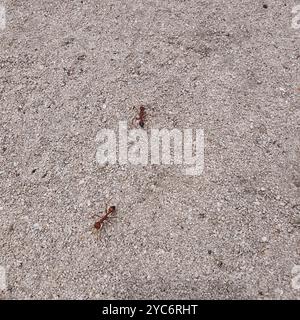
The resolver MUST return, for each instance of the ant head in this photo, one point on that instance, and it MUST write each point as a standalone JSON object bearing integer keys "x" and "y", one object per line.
{"x": 112, "y": 208}
{"x": 142, "y": 108}
{"x": 142, "y": 124}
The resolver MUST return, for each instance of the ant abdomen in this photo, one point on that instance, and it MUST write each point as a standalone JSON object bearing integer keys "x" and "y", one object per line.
{"x": 97, "y": 225}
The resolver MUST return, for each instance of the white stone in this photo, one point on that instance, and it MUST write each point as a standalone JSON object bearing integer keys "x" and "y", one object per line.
{"x": 264, "y": 239}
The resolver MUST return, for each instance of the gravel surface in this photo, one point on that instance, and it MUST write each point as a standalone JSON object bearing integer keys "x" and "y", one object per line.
{"x": 70, "y": 68}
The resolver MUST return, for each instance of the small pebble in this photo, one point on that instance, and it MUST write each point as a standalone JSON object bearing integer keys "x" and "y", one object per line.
{"x": 279, "y": 291}
{"x": 19, "y": 263}
{"x": 264, "y": 239}
{"x": 37, "y": 226}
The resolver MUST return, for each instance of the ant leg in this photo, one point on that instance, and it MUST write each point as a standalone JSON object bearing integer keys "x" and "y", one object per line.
{"x": 133, "y": 122}
{"x": 99, "y": 232}
{"x": 95, "y": 232}
{"x": 106, "y": 205}
{"x": 104, "y": 233}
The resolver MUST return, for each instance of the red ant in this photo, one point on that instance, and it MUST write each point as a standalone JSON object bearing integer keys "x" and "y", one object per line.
{"x": 141, "y": 117}
{"x": 99, "y": 224}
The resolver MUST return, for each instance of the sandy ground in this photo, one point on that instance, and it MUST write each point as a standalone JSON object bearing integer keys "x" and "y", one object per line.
{"x": 70, "y": 68}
